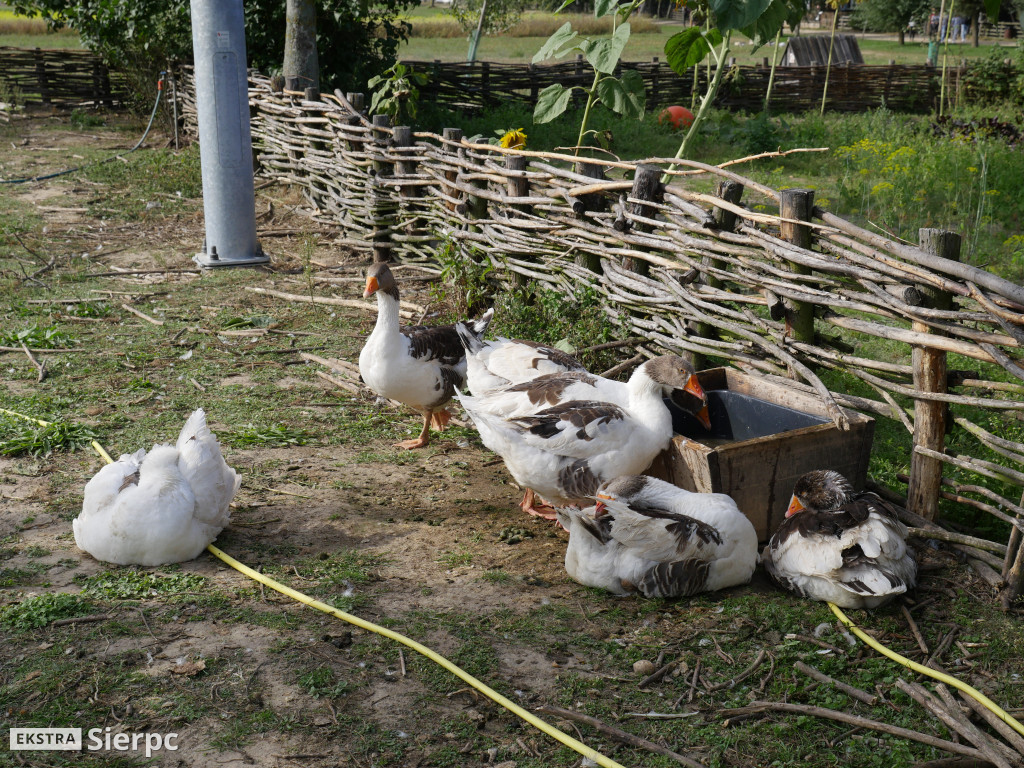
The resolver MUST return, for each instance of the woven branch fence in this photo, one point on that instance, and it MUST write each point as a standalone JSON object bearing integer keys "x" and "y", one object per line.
{"x": 901, "y": 88}
{"x": 763, "y": 279}
{"x": 59, "y": 77}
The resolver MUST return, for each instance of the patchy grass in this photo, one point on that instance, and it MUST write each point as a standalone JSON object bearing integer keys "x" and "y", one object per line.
{"x": 428, "y": 543}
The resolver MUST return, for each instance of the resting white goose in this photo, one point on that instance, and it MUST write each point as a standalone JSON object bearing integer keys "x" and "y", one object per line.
{"x": 162, "y": 507}
{"x": 648, "y": 536}
{"x": 497, "y": 363}
{"x": 840, "y": 546}
{"x": 418, "y": 365}
{"x": 564, "y": 452}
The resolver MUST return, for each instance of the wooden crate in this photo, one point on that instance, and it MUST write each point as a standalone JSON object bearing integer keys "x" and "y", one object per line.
{"x": 764, "y": 437}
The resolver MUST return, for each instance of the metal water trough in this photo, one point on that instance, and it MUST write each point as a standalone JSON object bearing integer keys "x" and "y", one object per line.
{"x": 763, "y": 437}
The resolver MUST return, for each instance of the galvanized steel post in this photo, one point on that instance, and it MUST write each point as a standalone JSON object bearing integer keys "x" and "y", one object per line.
{"x": 225, "y": 142}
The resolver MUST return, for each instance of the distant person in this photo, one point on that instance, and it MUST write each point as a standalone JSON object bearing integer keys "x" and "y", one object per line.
{"x": 955, "y": 27}
{"x": 911, "y": 30}
{"x": 965, "y": 27}
{"x": 933, "y": 24}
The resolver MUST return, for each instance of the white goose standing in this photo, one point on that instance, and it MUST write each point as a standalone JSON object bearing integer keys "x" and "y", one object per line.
{"x": 565, "y": 451}
{"x": 419, "y": 365}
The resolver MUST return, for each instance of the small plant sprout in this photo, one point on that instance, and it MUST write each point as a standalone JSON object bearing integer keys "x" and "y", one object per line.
{"x": 624, "y": 96}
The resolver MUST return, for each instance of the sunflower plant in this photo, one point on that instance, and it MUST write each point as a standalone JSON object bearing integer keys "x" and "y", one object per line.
{"x": 623, "y": 95}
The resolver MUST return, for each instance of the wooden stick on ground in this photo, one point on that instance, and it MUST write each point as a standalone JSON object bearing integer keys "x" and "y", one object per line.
{"x": 955, "y": 723}
{"x": 731, "y": 683}
{"x": 143, "y": 315}
{"x": 1014, "y": 738}
{"x": 338, "y": 382}
{"x": 615, "y": 733}
{"x": 917, "y": 632}
{"x": 849, "y": 690}
{"x": 41, "y": 367}
{"x": 861, "y": 722}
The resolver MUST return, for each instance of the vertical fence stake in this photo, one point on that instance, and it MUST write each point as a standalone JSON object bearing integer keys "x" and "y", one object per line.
{"x": 451, "y": 135}
{"x": 381, "y": 202}
{"x": 930, "y": 376}
{"x": 725, "y": 221}
{"x": 1013, "y": 567}
{"x": 405, "y": 168}
{"x": 518, "y": 186}
{"x": 646, "y": 186}
{"x": 797, "y": 204}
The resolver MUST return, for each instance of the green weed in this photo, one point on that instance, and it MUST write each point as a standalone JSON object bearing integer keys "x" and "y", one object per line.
{"x": 276, "y": 434}
{"x": 19, "y": 437}
{"x": 323, "y": 683}
{"x": 38, "y": 611}
{"x": 37, "y": 337}
{"x": 131, "y": 584}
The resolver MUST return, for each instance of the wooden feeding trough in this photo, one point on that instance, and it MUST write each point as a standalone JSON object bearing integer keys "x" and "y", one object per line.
{"x": 763, "y": 437}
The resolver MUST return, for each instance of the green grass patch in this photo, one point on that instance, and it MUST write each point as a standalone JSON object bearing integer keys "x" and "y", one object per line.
{"x": 38, "y": 611}
{"x": 19, "y": 437}
{"x": 132, "y": 584}
{"x": 271, "y": 435}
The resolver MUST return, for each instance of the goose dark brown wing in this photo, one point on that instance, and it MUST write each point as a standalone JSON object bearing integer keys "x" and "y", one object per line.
{"x": 550, "y": 387}
{"x": 557, "y": 356}
{"x": 435, "y": 342}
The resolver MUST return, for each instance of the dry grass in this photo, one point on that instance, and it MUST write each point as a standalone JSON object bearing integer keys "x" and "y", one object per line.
{"x": 531, "y": 25}
{"x": 22, "y": 26}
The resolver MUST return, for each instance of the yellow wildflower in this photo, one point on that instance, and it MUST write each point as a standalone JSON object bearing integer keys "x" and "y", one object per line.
{"x": 513, "y": 139}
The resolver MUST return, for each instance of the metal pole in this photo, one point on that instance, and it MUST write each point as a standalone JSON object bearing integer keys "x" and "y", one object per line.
{"x": 225, "y": 143}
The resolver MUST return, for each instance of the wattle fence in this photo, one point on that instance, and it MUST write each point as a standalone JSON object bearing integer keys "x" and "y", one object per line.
{"x": 731, "y": 270}
{"x": 59, "y": 78}
{"x": 901, "y": 88}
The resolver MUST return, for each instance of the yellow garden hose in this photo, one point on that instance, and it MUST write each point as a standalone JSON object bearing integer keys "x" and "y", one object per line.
{"x": 489, "y": 692}
{"x": 530, "y": 718}
{"x": 949, "y": 680}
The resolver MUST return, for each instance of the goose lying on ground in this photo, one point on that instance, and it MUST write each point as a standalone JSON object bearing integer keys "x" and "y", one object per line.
{"x": 418, "y": 365}
{"x": 840, "y": 546}
{"x": 648, "y": 536}
{"x": 160, "y": 507}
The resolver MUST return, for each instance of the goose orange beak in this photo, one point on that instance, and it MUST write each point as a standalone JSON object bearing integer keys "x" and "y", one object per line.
{"x": 704, "y": 417}
{"x": 371, "y": 287}
{"x": 794, "y": 506}
{"x": 600, "y": 506}
{"x": 694, "y": 388}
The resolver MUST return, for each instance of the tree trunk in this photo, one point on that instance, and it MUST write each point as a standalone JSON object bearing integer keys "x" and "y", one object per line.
{"x": 902, "y": 41}
{"x": 301, "y": 67}
{"x": 975, "y": 29}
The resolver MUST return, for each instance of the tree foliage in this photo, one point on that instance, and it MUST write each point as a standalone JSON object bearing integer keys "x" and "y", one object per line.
{"x": 501, "y": 15}
{"x": 891, "y": 15}
{"x": 356, "y": 40}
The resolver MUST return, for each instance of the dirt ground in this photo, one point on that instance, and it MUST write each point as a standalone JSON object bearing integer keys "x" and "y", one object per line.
{"x": 430, "y": 543}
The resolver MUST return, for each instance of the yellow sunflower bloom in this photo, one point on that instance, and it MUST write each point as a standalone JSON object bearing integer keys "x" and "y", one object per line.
{"x": 513, "y": 139}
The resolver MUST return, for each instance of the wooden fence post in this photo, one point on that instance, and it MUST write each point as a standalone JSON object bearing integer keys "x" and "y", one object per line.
{"x": 518, "y": 186}
{"x": 797, "y": 204}
{"x": 646, "y": 186}
{"x": 591, "y": 202}
{"x": 451, "y": 135}
{"x": 405, "y": 167}
{"x": 725, "y": 221}
{"x": 381, "y": 202}
{"x": 41, "y": 76}
{"x": 930, "y": 376}
{"x": 1013, "y": 566}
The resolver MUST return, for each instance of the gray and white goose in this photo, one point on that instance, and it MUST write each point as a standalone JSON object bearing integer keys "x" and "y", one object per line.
{"x": 418, "y": 365}
{"x": 648, "y": 536}
{"x": 565, "y": 451}
{"x": 840, "y": 546}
